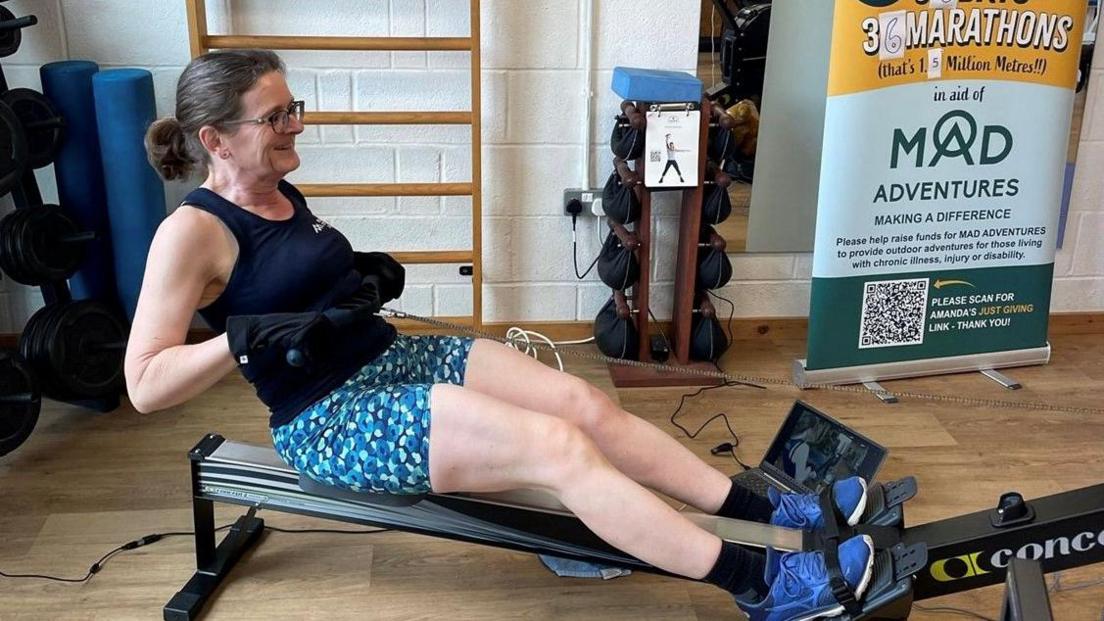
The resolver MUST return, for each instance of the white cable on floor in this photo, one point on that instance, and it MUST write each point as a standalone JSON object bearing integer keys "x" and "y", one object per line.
{"x": 522, "y": 340}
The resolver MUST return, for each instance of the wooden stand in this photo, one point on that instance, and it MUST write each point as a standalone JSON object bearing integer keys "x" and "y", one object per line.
{"x": 625, "y": 376}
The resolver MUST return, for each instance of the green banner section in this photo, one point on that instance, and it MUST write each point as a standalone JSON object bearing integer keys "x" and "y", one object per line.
{"x": 860, "y": 320}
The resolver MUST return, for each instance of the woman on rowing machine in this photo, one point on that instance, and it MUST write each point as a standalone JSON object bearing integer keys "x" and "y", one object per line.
{"x": 356, "y": 405}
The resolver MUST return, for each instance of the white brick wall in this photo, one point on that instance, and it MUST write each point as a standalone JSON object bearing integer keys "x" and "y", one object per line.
{"x": 532, "y": 110}
{"x": 533, "y": 106}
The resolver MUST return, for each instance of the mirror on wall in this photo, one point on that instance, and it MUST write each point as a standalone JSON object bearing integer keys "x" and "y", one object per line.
{"x": 732, "y": 55}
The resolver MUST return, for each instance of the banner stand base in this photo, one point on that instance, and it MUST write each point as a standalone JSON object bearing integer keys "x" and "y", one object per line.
{"x": 1002, "y": 379}
{"x": 881, "y": 393}
{"x": 917, "y": 368}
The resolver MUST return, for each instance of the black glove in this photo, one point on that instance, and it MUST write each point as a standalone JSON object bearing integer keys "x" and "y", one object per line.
{"x": 258, "y": 341}
{"x": 391, "y": 275}
{"x": 367, "y": 298}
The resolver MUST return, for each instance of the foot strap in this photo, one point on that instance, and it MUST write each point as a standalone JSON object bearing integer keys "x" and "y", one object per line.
{"x": 843, "y": 593}
{"x": 830, "y": 541}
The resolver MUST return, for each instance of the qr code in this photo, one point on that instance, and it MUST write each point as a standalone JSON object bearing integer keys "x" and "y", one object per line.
{"x": 893, "y": 313}
{"x": 655, "y": 156}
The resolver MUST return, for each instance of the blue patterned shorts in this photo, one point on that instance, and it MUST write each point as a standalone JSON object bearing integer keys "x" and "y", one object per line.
{"x": 372, "y": 433}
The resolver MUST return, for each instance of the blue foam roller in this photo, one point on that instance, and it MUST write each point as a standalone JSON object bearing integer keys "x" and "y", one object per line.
{"x": 79, "y": 174}
{"x": 655, "y": 85}
{"x": 135, "y": 194}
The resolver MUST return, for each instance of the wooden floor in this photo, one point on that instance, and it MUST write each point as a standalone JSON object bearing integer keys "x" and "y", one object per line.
{"x": 85, "y": 483}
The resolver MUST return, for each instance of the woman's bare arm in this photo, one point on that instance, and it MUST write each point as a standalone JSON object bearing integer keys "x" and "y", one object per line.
{"x": 161, "y": 371}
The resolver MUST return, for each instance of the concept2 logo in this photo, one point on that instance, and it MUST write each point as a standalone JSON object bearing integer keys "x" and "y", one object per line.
{"x": 973, "y": 564}
{"x": 957, "y": 567}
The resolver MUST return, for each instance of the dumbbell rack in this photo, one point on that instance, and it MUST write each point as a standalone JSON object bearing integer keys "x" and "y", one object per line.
{"x": 25, "y": 194}
{"x": 625, "y": 376}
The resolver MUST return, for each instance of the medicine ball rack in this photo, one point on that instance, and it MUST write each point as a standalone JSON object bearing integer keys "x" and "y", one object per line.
{"x": 689, "y": 300}
{"x": 68, "y": 351}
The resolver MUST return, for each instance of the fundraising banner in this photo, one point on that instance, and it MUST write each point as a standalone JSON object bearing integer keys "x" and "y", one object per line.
{"x": 944, "y": 151}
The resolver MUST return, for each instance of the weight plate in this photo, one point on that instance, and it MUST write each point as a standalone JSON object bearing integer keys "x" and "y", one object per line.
{"x": 9, "y": 39}
{"x": 48, "y": 373}
{"x": 39, "y": 353}
{"x": 42, "y": 125}
{"x": 13, "y": 262}
{"x": 31, "y": 347}
{"x": 26, "y": 339}
{"x": 39, "y": 245}
{"x": 19, "y": 233}
{"x": 86, "y": 344}
{"x": 6, "y": 261}
{"x": 13, "y": 149}
{"x": 47, "y": 256}
{"x": 20, "y": 402}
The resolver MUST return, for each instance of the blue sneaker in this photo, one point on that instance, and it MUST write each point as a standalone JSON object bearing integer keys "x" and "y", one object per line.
{"x": 799, "y": 582}
{"x": 803, "y": 510}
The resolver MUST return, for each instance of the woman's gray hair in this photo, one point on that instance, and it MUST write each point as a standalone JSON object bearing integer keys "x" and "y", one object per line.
{"x": 208, "y": 93}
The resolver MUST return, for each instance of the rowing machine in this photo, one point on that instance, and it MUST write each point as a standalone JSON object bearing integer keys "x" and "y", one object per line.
{"x": 529, "y": 521}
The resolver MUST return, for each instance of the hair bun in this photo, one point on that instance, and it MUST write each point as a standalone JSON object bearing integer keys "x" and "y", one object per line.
{"x": 167, "y": 148}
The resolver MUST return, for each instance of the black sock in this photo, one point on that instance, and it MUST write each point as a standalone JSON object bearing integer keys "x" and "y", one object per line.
{"x": 740, "y": 572}
{"x": 744, "y": 504}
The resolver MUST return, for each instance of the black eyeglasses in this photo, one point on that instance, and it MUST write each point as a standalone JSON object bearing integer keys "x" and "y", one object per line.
{"x": 278, "y": 119}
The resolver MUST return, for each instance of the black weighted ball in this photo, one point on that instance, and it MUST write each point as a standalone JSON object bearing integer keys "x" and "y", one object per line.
{"x": 615, "y": 332}
{"x": 707, "y": 338}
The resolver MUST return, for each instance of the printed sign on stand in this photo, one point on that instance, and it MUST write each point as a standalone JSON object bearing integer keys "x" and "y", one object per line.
{"x": 944, "y": 155}
{"x": 671, "y": 146}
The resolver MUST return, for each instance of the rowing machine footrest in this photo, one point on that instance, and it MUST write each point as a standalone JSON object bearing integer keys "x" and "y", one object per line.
{"x": 889, "y": 595}
{"x": 885, "y": 502}
{"x": 315, "y": 488}
{"x": 899, "y": 491}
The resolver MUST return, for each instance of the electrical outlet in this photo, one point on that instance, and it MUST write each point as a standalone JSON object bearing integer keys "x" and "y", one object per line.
{"x": 587, "y": 200}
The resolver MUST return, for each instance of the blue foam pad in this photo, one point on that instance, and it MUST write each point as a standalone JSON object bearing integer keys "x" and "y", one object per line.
{"x": 655, "y": 85}
{"x": 79, "y": 174}
{"x": 135, "y": 193}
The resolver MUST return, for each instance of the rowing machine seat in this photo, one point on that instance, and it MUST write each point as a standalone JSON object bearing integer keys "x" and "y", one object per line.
{"x": 311, "y": 486}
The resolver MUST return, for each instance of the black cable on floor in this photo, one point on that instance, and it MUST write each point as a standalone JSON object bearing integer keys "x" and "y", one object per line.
{"x": 155, "y": 537}
{"x": 727, "y": 446}
{"x": 950, "y": 610}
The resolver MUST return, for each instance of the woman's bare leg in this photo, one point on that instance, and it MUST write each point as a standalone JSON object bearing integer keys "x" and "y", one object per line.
{"x": 481, "y": 444}
{"x": 635, "y": 447}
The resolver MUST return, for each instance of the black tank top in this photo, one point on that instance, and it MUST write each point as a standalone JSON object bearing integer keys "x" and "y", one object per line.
{"x": 290, "y": 266}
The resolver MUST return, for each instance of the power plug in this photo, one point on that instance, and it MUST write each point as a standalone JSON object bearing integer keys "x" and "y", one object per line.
{"x": 578, "y": 202}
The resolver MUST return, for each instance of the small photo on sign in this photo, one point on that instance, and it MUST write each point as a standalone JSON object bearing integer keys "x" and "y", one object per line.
{"x": 671, "y": 149}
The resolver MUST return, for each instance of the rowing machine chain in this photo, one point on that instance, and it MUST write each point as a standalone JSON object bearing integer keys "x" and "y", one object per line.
{"x": 749, "y": 380}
